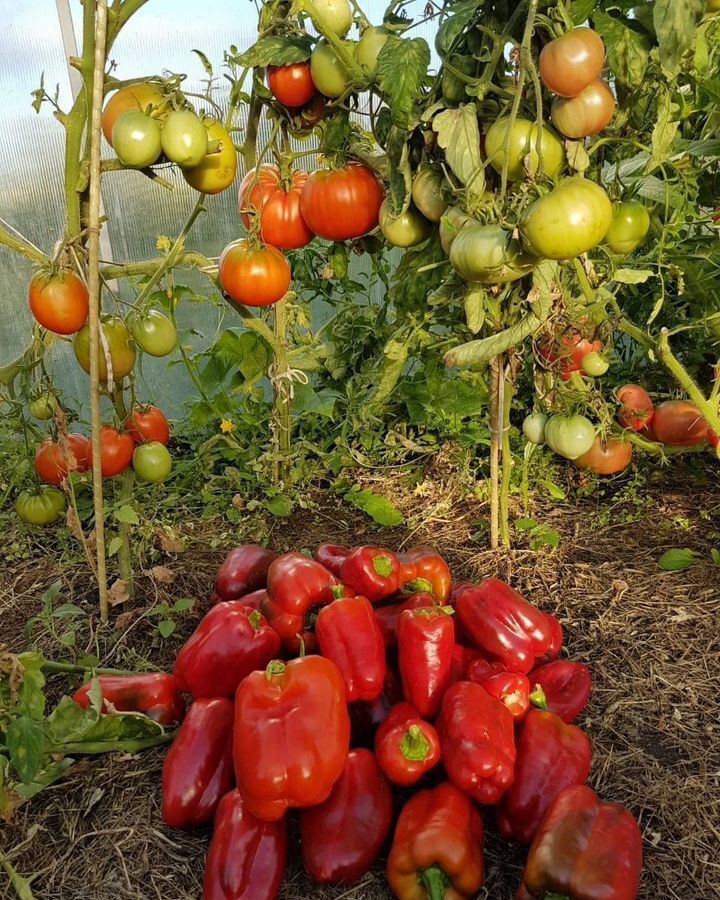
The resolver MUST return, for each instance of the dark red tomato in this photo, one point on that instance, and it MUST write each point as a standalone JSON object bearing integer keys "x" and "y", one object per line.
{"x": 712, "y": 438}
{"x": 116, "y": 451}
{"x": 571, "y": 62}
{"x": 265, "y": 193}
{"x": 53, "y": 461}
{"x": 637, "y": 410}
{"x": 291, "y": 85}
{"x": 148, "y": 423}
{"x": 586, "y": 114}
{"x": 679, "y": 424}
{"x": 308, "y": 116}
{"x": 606, "y": 459}
{"x": 569, "y": 351}
{"x": 341, "y": 204}
{"x": 255, "y": 276}
{"x": 59, "y": 302}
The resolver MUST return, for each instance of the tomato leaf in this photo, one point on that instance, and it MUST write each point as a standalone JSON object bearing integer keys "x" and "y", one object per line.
{"x": 127, "y": 515}
{"x": 401, "y": 70}
{"x": 453, "y": 26}
{"x": 459, "y": 136}
{"x": 677, "y": 560}
{"x": 166, "y": 627}
{"x": 580, "y": 10}
{"x": 632, "y": 276}
{"x": 26, "y": 744}
{"x": 277, "y": 51}
{"x": 715, "y": 556}
{"x": 675, "y": 24}
{"x": 666, "y": 128}
{"x": 377, "y": 507}
{"x": 628, "y": 46}
{"x": 475, "y": 308}
{"x": 279, "y": 505}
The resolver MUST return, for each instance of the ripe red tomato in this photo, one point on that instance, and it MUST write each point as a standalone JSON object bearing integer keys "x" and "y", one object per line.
{"x": 148, "y": 423}
{"x": 278, "y": 204}
{"x": 615, "y": 456}
{"x": 679, "y": 424}
{"x": 116, "y": 450}
{"x": 637, "y": 410}
{"x": 291, "y": 85}
{"x": 586, "y": 114}
{"x": 712, "y": 438}
{"x": 571, "y": 62}
{"x": 255, "y": 276}
{"x": 569, "y": 352}
{"x": 53, "y": 461}
{"x": 341, "y": 204}
{"x": 59, "y": 302}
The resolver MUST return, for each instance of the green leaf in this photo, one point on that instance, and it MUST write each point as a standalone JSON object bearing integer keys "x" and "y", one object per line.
{"x": 580, "y": 10}
{"x": 677, "y": 560}
{"x": 542, "y": 536}
{"x": 71, "y": 724}
{"x": 454, "y": 25}
{"x": 628, "y": 47}
{"x": 20, "y": 885}
{"x": 26, "y": 744}
{"x": 632, "y": 276}
{"x": 555, "y": 491}
{"x": 127, "y": 515}
{"x": 459, "y": 136}
{"x": 526, "y": 524}
{"x": 31, "y": 700}
{"x": 115, "y": 545}
{"x": 377, "y": 507}
{"x": 279, "y": 505}
{"x": 475, "y": 308}
{"x": 44, "y": 778}
{"x": 715, "y": 556}
{"x": 401, "y": 70}
{"x": 675, "y": 24}
{"x": 182, "y": 605}
{"x": 321, "y": 403}
{"x": 206, "y": 64}
{"x": 665, "y": 130}
{"x": 166, "y": 627}
{"x": 277, "y": 51}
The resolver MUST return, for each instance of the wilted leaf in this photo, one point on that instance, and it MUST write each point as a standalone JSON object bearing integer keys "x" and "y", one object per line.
{"x": 475, "y": 309}
{"x": 162, "y": 574}
{"x": 677, "y": 560}
{"x": 459, "y": 136}
{"x": 632, "y": 276}
{"x": 169, "y": 541}
{"x": 628, "y": 46}
{"x": 377, "y": 507}
{"x": 665, "y": 130}
{"x": 675, "y": 24}
{"x": 73, "y": 523}
{"x": 118, "y": 593}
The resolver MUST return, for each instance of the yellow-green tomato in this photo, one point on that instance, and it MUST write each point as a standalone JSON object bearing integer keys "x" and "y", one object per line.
{"x": 328, "y": 71}
{"x": 152, "y": 462}
{"x": 534, "y": 427}
{"x": 136, "y": 139}
{"x": 594, "y": 364}
{"x": 568, "y": 221}
{"x": 523, "y": 144}
{"x": 122, "y": 351}
{"x": 184, "y": 138}
{"x": 155, "y": 333}
{"x": 334, "y": 14}
{"x": 452, "y": 221}
{"x": 629, "y": 227}
{"x": 427, "y": 194}
{"x": 369, "y": 47}
{"x": 569, "y": 436}
{"x": 42, "y": 507}
{"x": 405, "y": 230}
{"x": 43, "y": 407}
{"x": 488, "y": 254}
{"x": 217, "y": 170}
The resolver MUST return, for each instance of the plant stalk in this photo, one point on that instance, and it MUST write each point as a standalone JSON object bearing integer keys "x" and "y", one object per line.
{"x": 507, "y": 390}
{"x": 495, "y": 428}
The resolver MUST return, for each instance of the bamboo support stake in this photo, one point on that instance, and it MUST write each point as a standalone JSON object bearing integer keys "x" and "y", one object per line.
{"x": 93, "y": 247}
{"x": 495, "y": 429}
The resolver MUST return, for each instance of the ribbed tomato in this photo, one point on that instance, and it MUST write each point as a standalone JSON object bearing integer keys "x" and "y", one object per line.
{"x": 571, "y": 62}
{"x": 291, "y": 85}
{"x": 264, "y": 192}
{"x": 53, "y": 460}
{"x": 59, "y": 302}
{"x": 586, "y": 114}
{"x": 679, "y": 424}
{"x": 255, "y": 276}
{"x": 606, "y": 459}
{"x": 116, "y": 451}
{"x": 637, "y": 410}
{"x": 341, "y": 204}
{"x": 148, "y": 423}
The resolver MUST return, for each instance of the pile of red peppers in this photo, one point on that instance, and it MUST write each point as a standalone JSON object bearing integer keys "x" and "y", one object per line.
{"x": 394, "y": 713}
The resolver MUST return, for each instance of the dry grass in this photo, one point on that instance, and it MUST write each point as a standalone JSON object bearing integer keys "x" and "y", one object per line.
{"x": 651, "y": 639}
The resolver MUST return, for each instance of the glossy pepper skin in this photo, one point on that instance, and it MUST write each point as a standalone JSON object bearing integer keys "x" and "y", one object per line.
{"x": 556, "y": 640}
{"x": 332, "y": 556}
{"x": 463, "y": 658}
{"x": 424, "y": 569}
{"x": 243, "y": 570}
{"x": 342, "y": 837}
{"x": 295, "y": 585}
{"x": 477, "y": 742}
{"x": 349, "y": 634}
{"x": 512, "y": 690}
{"x": 372, "y": 572}
{"x": 426, "y": 641}
{"x": 566, "y": 686}
{"x": 247, "y": 857}
{"x": 154, "y": 693}
{"x": 230, "y": 642}
{"x": 551, "y": 756}
{"x": 255, "y": 599}
{"x": 389, "y": 615}
{"x": 292, "y": 735}
{"x": 406, "y": 746}
{"x": 584, "y": 849}
{"x": 504, "y": 625}
{"x": 198, "y": 769}
{"x": 437, "y": 851}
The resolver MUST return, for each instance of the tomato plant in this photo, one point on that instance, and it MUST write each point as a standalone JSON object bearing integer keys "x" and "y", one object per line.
{"x": 637, "y": 409}
{"x": 629, "y": 227}
{"x": 606, "y": 458}
{"x": 122, "y": 352}
{"x": 116, "y": 451}
{"x": 678, "y": 423}
{"x": 568, "y": 221}
{"x": 291, "y": 85}
{"x": 155, "y": 333}
{"x": 136, "y": 139}
{"x": 405, "y": 230}
{"x": 184, "y": 138}
{"x": 571, "y": 62}
{"x": 141, "y": 97}
{"x": 586, "y": 114}
{"x": 265, "y": 192}
{"x": 522, "y": 149}
{"x": 42, "y": 507}
{"x": 59, "y": 301}
{"x": 152, "y": 462}
{"x": 341, "y": 204}
{"x": 55, "y": 460}
{"x": 329, "y": 73}
{"x": 427, "y": 194}
{"x": 569, "y": 436}
{"x": 217, "y": 170}
{"x": 255, "y": 276}
{"x": 148, "y": 423}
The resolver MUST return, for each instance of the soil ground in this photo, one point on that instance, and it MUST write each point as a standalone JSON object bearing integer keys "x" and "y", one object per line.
{"x": 652, "y": 640}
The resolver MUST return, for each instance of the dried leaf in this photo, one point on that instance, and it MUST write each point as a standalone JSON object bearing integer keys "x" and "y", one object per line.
{"x": 162, "y": 574}
{"x": 73, "y": 524}
{"x": 118, "y": 593}
{"x": 169, "y": 541}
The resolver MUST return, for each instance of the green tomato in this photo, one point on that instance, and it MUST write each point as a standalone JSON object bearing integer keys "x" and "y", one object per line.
{"x": 336, "y": 15}
{"x": 713, "y": 6}
{"x": 488, "y": 254}
{"x": 43, "y": 407}
{"x": 41, "y": 508}
{"x": 568, "y": 221}
{"x": 534, "y": 427}
{"x": 155, "y": 333}
{"x": 452, "y": 221}
{"x": 629, "y": 227}
{"x": 427, "y": 194}
{"x": 523, "y": 141}
{"x": 569, "y": 436}
{"x": 152, "y": 462}
{"x": 122, "y": 352}
{"x": 328, "y": 71}
{"x": 136, "y": 139}
{"x": 594, "y": 364}
{"x": 184, "y": 139}
{"x": 369, "y": 47}
{"x": 405, "y": 230}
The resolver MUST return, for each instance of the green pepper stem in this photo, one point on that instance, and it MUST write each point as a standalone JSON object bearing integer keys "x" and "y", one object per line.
{"x": 383, "y": 566}
{"x": 435, "y": 881}
{"x": 538, "y": 698}
{"x": 255, "y": 619}
{"x": 420, "y": 585}
{"x": 276, "y": 667}
{"x": 414, "y": 745}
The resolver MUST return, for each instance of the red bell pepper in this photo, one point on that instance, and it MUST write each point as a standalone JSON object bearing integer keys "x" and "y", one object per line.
{"x": 198, "y": 770}
{"x": 437, "y": 851}
{"x": 406, "y": 746}
{"x": 231, "y": 641}
{"x": 366, "y": 717}
{"x": 342, "y": 837}
{"x": 477, "y": 742}
{"x": 296, "y": 586}
{"x": 463, "y": 658}
{"x": 349, "y": 634}
{"x": 511, "y": 689}
{"x": 243, "y": 570}
{"x": 388, "y": 616}
{"x": 556, "y": 640}
{"x": 154, "y": 693}
{"x": 292, "y": 735}
{"x": 566, "y": 687}
{"x": 372, "y": 572}
{"x": 504, "y": 625}
{"x": 550, "y": 757}
{"x": 426, "y": 641}
{"x": 247, "y": 857}
{"x": 483, "y": 668}
{"x": 585, "y": 850}
{"x": 424, "y": 569}
{"x": 332, "y": 556}
{"x": 255, "y": 599}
